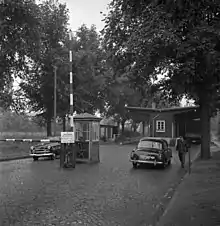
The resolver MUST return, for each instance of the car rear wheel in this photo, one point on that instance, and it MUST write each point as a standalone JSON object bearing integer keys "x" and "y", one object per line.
{"x": 35, "y": 158}
{"x": 134, "y": 165}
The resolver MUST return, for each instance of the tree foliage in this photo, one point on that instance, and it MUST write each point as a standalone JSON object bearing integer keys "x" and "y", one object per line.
{"x": 181, "y": 37}
{"x": 19, "y": 38}
{"x": 89, "y": 69}
{"x": 12, "y": 122}
{"x": 38, "y": 83}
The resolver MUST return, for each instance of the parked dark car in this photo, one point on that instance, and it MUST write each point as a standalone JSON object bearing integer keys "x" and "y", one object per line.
{"x": 50, "y": 150}
{"x": 151, "y": 151}
{"x": 193, "y": 138}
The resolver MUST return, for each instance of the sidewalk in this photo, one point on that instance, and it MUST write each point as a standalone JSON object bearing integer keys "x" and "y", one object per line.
{"x": 197, "y": 200}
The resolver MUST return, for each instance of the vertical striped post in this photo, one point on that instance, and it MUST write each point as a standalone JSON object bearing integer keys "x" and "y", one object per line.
{"x": 71, "y": 78}
{"x": 73, "y": 151}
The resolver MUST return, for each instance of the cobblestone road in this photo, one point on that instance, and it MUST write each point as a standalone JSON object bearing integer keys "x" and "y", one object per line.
{"x": 109, "y": 193}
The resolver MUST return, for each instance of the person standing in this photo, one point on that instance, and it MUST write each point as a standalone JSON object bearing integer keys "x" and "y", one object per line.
{"x": 181, "y": 148}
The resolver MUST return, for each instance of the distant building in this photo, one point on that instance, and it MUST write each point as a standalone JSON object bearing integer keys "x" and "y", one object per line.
{"x": 167, "y": 122}
{"x": 108, "y": 127}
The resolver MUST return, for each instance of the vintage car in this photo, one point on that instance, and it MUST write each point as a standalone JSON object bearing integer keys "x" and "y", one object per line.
{"x": 45, "y": 149}
{"x": 151, "y": 151}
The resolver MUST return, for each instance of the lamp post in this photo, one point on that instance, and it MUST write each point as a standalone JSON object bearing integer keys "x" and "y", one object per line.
{"x": 55, "y": 99}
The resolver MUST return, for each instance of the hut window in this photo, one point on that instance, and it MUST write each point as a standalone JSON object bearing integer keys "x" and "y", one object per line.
{"x": 82, "y": 130}
{"x": 95, "y": 131}
{"x": 86, "y": 131}
{"x": 160, "y": 126}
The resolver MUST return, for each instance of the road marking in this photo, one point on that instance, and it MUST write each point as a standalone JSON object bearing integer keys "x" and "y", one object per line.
{"x": 9, "y": 139}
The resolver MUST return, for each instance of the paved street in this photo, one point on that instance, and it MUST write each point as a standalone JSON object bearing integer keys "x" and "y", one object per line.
{"x": 109, "y": 193}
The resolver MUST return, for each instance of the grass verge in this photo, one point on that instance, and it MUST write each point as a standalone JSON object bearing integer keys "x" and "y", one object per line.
{"x": 13, "y": 150}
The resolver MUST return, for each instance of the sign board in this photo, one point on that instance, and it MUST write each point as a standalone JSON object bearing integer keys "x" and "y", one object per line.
{"x": 67, "y": 137}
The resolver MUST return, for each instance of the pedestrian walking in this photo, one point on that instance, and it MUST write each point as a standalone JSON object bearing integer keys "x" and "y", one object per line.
{"x": 181, "y": 147}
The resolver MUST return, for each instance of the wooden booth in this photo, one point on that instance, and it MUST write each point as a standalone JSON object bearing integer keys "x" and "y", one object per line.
{"x": 87, "y": 134}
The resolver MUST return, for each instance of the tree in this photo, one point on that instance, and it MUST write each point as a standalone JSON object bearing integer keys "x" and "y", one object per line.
{"x": 89, "y": 70}
{"x": 38, "y": 83}
{"x": 119, "y": 95}
{"x": 19, "y": 39}
{"x": 181, "y": 37}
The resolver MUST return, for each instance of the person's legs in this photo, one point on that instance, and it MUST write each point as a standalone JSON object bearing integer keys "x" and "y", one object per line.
{"x": 182, "y": 159}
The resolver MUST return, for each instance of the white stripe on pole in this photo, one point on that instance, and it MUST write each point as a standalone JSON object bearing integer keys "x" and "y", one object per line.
{"x": 45, "y": 140}
{"x": 71, "y": 77}
{"x": 71, "y": 99}
{"x": 71, "y": 57}
{"x": 10, "y": 139}
{"x": 27, "y": 140}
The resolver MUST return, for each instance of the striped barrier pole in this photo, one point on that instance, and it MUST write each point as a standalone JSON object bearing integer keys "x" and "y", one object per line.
{"x": 30, "y": 140}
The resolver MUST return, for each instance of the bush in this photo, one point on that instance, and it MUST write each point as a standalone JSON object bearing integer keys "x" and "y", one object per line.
{"x": 12, "y": 122}
{"x": 103, "y": 138}
{"x": 126, "y": 136}
{"x": 128, "y": 133}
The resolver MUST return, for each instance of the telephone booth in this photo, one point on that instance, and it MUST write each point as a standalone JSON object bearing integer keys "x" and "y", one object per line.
{"x": 87, "y": 133}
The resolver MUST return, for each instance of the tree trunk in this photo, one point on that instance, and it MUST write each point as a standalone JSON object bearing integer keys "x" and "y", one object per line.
{"x": 205, "y": 127}
{"x": 49, "y": 132}
{"x": 64, "y": 123}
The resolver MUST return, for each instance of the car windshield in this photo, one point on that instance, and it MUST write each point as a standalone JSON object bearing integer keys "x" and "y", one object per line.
{"x": 150, "y": 144}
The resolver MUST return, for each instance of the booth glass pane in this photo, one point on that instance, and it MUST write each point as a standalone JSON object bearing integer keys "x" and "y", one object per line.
{"x": 82, "y": 130}
{"x": 78, "y": 129}
{"x": 85, "y": 127}
{"x": 95, "y": 131}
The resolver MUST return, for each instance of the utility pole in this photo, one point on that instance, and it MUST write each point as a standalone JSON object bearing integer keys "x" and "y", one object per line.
{"x": 55, "y": 99}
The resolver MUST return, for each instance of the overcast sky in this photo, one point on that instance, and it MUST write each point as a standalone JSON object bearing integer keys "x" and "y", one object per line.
{"x": 86, "y": 12}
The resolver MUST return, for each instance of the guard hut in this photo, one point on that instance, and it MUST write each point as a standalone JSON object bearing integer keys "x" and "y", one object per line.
{"x": 87, "y": 135}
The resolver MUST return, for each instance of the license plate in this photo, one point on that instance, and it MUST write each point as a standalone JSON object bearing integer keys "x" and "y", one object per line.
{"x": 147, "y": 157}
{"x": 144, "y": 157}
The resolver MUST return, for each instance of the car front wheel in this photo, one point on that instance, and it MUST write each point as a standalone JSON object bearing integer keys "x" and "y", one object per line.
{"x": 134, "y": 165}
{"x": 35, "y": 158}
{"x": 53, "y": 157}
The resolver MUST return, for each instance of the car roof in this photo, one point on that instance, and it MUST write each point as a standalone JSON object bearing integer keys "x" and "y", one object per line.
{"x": 152, "y": 139}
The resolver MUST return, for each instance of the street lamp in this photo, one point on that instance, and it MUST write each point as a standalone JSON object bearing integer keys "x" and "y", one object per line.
{"x": 55, "y": 99}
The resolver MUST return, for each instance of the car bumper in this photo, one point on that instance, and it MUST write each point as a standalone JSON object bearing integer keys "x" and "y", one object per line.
{"x": 42, "y": 155}
{"x": 154, "y": 162}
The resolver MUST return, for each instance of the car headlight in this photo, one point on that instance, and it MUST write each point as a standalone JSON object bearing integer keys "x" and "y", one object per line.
{"x": 32, "y": 148}
{"x": 48, "y": 147}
